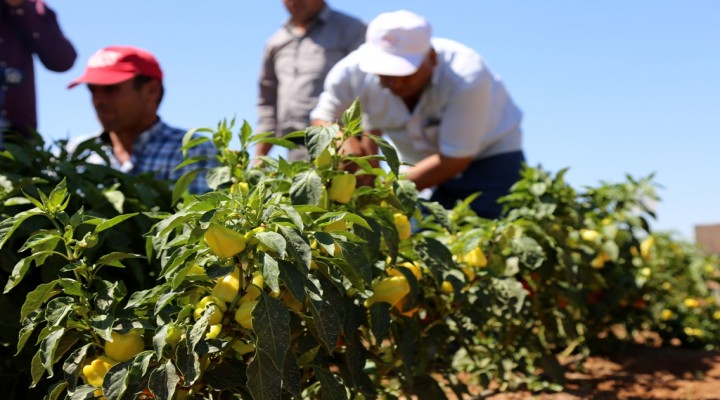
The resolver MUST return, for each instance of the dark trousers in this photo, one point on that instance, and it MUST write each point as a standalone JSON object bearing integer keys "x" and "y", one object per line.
{"x": 492, "y": 177}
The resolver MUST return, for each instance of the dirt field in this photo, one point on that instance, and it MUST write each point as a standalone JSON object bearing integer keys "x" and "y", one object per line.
{"x": 640, "y": 373}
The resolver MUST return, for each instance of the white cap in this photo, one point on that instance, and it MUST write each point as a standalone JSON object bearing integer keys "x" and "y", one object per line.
{"x": 396, "y": 43}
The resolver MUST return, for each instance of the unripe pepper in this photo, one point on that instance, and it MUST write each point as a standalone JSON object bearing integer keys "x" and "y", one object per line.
{"x": 389, "y": 290}
{"x": 95, "y": 371}
{"x": 123, "y": 347}
{"x": 228, "y": 286}
{"x": 217, "y": 314}
{"x": 342, "y": 187}
{"x": 324, "y": 160}
{"x": 224, "y": 242}
{"x": 243, "y": 315}
{"x": 402, "y": 224}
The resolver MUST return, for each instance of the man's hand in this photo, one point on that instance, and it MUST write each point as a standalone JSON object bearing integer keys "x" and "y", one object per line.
{"x": 14, "y": 3}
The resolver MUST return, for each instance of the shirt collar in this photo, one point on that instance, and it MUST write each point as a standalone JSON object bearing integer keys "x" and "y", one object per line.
{"x": 321, "y": 17}
{"x": 141, "y": 140}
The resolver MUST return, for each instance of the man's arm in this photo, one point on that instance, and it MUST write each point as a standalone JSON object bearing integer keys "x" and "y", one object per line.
{"x": 436, "y": 169}
{"x": 38, "y": 25}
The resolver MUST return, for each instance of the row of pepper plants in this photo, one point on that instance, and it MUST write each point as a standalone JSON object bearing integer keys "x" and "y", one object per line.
{"x": 289, "y": 280}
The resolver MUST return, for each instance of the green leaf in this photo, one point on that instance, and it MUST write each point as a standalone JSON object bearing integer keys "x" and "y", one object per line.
{"x": 380, "y": 320}
{"x": 317, "y": 139}
{"x": 29, "y": 325}
{"x": 306, "y": 188}
{"x": 389, "y": 153}
{"x": 271, "y": 323}
{"x": 113, "y": 221}
{"x": 35, "y": 299}
{"x": 73, "y": 366}
{"x": 299, "y": 249}
{"x": 56, "y": 390}
{"x": 273, "y": 241}
{"x": 58, "y": 309}
{"x": 435, "y": 255}
{"x": 188, "y": 363}
{"x": 217, "y": 176}
{"x": 331, "y": 387}
{"x": 113, "y": 258}
{"x": 9, "y": 225}
{"x": 163, "y": 381}
{"x": 324, "y": 320}
{"x": 270, "y": 272}
{"x": 48, "y": 346}
{"x": 116, "y": 198}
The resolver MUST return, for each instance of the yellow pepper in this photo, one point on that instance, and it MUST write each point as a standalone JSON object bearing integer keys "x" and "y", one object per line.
{"x": 224, "y": 242}
{"x": 123, "y": 347}
{"x": 646, "y": 245}
{"x": 412, "y": 266}
{"x": 599, "y": 261}
{"x": 589, "y": 235}
{"x": 402, "y": 224}
{"x": 217, "y": 314}
{"x": 95, "y": 371}
{"x": 243, "y": 315}
{"x": 342, "y": 187}
{"x": 240, "y": 187}
{"x": 243, "y": 348}
{"x": 291, "y": 301}
{"x": 447, "y": 287}
{"x": 214, "y": 331}
{"x": 475, "y": 258}
{"x": 228, "y": 286}
{"x": 253, "y": 290}
{"x": 389, "y": 290}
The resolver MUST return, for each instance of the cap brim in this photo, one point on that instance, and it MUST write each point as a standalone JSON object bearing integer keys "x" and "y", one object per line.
{"x": 375, "y": 60}
{"x": 98, "y": 77}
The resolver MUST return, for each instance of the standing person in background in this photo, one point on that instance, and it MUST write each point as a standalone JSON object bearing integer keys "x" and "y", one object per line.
{"x": 27, "y": 27}
{"x": 295, "y": 62}
{"x": 446, "y": 113}
{"x": 126, "y": 87}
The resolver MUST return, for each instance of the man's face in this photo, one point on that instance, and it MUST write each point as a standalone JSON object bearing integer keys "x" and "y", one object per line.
{"x": 411, "y": 85}
{"x": 123, "y": 107}
{"x": 303, "y": 10}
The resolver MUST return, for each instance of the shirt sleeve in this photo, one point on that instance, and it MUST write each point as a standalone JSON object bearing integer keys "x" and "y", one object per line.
{"x": 267, "y": 94}
{"x": 466, "y": 121}
{"x": 338, "y": 92}
{"x": 42, "y": 33}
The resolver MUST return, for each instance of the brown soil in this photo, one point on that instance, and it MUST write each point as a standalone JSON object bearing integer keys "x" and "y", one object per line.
{"x": 639, "y": 373}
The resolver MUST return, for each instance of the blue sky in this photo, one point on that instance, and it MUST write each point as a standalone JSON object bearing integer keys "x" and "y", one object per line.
{"x": 608, "y": 88}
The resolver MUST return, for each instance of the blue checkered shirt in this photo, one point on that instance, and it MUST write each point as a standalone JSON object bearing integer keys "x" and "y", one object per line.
{"x": 159, "y": 150}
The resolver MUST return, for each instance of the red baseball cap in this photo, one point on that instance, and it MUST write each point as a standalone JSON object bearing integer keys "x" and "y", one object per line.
{"x": 115, "y": 64}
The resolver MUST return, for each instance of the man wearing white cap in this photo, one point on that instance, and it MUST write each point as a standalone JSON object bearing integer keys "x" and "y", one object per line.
{"x": 446, "y": 113}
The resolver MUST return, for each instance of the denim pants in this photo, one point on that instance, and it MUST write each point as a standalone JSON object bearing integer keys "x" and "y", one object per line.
{"x": 492, "y": 177}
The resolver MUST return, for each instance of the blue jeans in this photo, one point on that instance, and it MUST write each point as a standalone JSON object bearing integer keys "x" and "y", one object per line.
{"x": 492, "y": 176}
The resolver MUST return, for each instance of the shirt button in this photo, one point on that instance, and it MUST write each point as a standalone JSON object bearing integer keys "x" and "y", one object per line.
{"x": 4, "y": 88}
{"x": 3, "y": 113}
{"x": 3, "y": 64}
{"x": 36, "y": 35}
{"x": 20, "y": 11}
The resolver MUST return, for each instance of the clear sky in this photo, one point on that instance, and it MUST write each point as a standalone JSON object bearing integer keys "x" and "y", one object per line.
{"x": 608, "y": 88}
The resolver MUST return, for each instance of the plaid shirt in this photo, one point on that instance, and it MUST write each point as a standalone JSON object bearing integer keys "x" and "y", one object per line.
{"x": 159, "y": 150}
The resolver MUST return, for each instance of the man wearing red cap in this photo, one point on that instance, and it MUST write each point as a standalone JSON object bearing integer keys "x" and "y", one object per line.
{"x": 126, "y": 87}
{"x": 446, "y": 113}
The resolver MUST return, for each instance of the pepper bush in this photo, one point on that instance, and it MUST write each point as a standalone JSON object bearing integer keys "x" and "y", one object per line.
{"x": 287, "y": 280}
